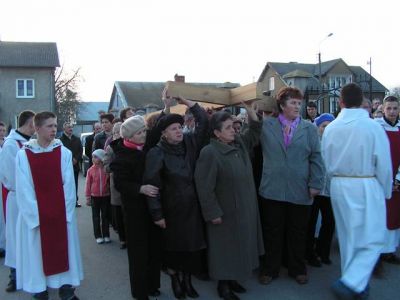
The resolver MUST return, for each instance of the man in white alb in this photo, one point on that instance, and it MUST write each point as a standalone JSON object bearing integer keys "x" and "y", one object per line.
{"x": 357, "y": 159}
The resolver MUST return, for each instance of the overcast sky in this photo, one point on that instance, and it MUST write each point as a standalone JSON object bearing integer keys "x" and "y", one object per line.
{"x": 207, "y": 40}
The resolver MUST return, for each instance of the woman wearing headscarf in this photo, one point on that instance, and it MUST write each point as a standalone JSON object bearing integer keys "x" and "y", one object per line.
{"x": 228, "y": 198}
{"x": 170, "y": 167}
{"x": 318, "y": 248}
{"x": 143, "y": 237}
{"x": 293, "y": 173}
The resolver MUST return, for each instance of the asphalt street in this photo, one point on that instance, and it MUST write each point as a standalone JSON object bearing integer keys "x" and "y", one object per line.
{"x": 106, "y": 275}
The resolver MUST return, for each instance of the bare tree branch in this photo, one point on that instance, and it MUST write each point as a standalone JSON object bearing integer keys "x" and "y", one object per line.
{"x": 66, "y": 94}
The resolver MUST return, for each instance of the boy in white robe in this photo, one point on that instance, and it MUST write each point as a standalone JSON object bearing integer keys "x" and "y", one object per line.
{"x": 48, "y": 250}
{"x": 11, "y": 146}
{"x": 357, "y": 158}
{"x": 2, "y": 223}
{"x": 390, "y": 123}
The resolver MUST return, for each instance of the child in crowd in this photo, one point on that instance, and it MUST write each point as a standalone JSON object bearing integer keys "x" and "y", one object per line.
{"x": 98, "y": 196}
{"x": 319, "y": 248}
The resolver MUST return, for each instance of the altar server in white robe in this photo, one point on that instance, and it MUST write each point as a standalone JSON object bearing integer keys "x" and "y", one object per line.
{"x": 357, "y": 158}
{"x": 48, "y": 249}
{"x": 2, "y": 223}
{"x": 390, "y": 123}
{"x": 11, "y": 146}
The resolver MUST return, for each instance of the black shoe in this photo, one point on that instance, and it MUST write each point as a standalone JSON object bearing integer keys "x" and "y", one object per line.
{"x": 78, "y": 205}
{"x": 188, "y": 287}
{"x": 176, "y": 285}
{"x": 11, "y": 286}
{"x": 236, "y": 287}
{"x": 154, "y": 293}
{"x": 2, "y": 253}
{"x": 314, "y": 261}
{"x": 326, "y": 261}
{"x": 42, "y": 296}
{"x": 122, "y": 245}
{"x": 379, "y": 270}
{"x": 391, "y": 258}
{"x": 225, "y": 292}
{"x": 343, "y": 292}
{"x": 203, "y": 276}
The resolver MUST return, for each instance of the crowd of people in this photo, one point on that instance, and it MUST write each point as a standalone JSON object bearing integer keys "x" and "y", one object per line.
{"x": 207, "y": 194}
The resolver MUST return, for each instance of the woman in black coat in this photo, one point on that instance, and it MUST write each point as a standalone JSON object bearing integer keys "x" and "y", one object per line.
{"x": 143, "y": 236}
{"x": 170, "y": 167}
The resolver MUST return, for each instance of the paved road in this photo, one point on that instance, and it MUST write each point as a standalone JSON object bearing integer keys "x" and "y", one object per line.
{"x": 106, "y": 275}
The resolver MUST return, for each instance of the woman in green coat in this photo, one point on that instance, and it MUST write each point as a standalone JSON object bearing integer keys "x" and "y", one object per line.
{"x": 228, "y": 200}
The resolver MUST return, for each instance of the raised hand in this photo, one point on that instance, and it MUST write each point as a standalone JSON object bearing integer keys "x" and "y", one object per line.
{"x": 166, "y": 99}
{"x": 251, "y": 109}
{"x": 184, "y": 101}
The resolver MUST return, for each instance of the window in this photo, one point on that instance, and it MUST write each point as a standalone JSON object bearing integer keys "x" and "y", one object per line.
{"x": 337, "y": 81}
{"x": 271, "y": 84}
{"x": 25, "y": 88}
{"x": 333, "y": 105}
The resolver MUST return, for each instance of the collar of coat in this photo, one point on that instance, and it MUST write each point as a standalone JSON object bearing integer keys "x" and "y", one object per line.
{"x": 35, "y": 147}
{"x": 222, "y": 147}
{"x": 275, "y": 127}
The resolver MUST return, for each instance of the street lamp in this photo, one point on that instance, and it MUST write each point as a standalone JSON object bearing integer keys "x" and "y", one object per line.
{"x": 319, "y": 61}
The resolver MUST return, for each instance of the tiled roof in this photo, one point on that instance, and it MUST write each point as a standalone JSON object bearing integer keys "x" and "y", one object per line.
{"x": 88, "y": 111}
{"x": 362, "y": 78}
{"x": 285, "y": 69}
{"x": 297, "y": 73}
{"x": 24, "y": 54}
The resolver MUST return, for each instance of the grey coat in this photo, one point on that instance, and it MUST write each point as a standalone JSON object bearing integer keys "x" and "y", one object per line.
{"x": 226, "y": 189}
{"x": 289, "y": 173}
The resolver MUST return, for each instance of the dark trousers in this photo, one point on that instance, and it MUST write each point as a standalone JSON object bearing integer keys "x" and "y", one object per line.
{"x": 284, "y": 222}
{"x": 100, "y": 207}
{"x": 144, "y": 249}
{"x": 118, "y": 217}
{"x": 322, "y": 245}
{"x": 13, "y": 274}
{"x": 76, "y": 177}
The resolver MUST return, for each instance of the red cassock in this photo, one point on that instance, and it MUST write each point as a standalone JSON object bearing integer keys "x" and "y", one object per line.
{"x": 393, "y": 205}
{"x": 47, "y": 179}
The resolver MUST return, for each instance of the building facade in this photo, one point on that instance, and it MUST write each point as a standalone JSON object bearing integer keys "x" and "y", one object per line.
{"x": 26, "y": 78}
{"x": 320, "y": 82}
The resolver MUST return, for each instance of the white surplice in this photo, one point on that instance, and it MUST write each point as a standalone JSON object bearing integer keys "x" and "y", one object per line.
{"x": 357, "y": 158}
{"x": 7, "y": 178}
{"x": 2, "y": 222}
{"x": 30, "y": 276}
{"x": 392, "y": 236}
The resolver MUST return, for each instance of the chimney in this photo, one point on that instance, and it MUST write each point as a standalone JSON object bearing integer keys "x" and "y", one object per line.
{"x": 179, "y": 78}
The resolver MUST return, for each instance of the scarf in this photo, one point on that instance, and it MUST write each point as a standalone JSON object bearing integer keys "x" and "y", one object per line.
{"x": 132, "y": 145}
{"x": 288, "y": 128}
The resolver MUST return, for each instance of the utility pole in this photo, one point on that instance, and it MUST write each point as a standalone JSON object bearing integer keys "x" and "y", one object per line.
{"x": 320, "y": 74}
{"x": 370, "y": 78}
{"x": 319, "y": 64}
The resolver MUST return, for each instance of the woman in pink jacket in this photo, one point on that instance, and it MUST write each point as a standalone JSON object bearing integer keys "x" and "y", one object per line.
{"x": 98, "y": 196}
